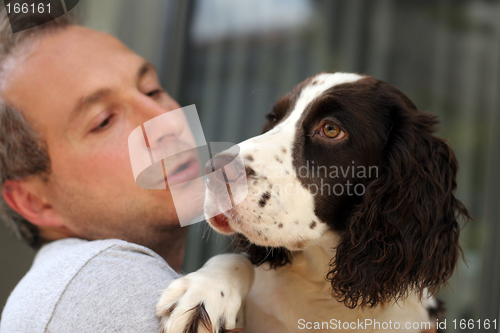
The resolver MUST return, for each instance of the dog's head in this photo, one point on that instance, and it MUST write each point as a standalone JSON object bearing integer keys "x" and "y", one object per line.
{"x": 351, "y": 154}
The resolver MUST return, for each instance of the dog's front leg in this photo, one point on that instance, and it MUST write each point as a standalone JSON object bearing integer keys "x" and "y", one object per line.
{"x": 209, "y": 299}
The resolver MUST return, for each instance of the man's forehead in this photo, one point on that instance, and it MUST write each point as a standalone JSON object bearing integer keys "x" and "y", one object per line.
{"x": 78, "y": 38}
{"x": 72, "y": 49}
{"x": 63, "y": 66}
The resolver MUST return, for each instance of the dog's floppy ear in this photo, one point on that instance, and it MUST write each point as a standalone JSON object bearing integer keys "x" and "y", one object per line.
{"x": 404, "y": 235}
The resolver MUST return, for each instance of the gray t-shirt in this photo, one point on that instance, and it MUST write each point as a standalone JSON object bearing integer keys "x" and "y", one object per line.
{"x": 82, "y": 286}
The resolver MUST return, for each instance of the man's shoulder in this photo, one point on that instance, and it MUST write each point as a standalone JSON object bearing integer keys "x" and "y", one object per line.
{"x": 81, "y": 251}
{"x": 76, "y": 282}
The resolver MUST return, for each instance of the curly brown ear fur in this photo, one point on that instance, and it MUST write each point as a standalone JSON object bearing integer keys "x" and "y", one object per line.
{"x": 404, "y": 236}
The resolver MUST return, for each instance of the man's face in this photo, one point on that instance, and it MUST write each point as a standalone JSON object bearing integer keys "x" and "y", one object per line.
{"x": 84, "y": 91}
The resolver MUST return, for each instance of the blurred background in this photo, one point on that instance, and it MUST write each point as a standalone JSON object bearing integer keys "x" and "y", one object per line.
{"x": 234, "y": 58}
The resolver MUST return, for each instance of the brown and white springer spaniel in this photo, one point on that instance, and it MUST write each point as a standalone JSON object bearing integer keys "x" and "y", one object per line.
{"x": 350, "y": 220}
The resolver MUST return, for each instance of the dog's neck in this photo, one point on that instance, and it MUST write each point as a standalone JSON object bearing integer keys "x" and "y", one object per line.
{"x": 314, "y": 262}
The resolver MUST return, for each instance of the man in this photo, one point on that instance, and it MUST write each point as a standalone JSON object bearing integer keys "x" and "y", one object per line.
{"x": 70, "y": 96}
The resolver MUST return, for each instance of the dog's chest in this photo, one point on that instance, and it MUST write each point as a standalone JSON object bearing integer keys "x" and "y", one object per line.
{"x": 286, "y": 299}
{"x": 279, "y": 300}
{"x": 297, "y": 298}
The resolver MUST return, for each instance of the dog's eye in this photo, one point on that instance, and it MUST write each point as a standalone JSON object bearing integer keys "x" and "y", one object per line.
{"x": 271, "y": 118}
{"x": 332, "y": 131}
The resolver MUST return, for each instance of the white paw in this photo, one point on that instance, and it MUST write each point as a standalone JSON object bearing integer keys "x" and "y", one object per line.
{"x": 199, "y": 302}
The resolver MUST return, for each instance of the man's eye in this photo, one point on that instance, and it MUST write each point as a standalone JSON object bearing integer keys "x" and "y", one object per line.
{"x": 103, "y": 125}
{"x": 154, "y": 92}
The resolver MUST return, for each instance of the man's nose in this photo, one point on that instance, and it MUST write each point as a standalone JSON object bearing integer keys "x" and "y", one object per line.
{"x": 165, "y": 128}
{"x": 230, "y": 168}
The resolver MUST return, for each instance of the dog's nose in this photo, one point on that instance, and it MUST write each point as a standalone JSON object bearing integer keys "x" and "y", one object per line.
{"x": 231, "y": 168}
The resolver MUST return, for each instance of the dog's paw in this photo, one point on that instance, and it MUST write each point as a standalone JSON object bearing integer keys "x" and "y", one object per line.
{"x": 199, "y": 303}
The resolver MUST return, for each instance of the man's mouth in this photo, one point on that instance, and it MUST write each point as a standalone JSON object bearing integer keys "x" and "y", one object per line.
{"x": 184, "y": 172}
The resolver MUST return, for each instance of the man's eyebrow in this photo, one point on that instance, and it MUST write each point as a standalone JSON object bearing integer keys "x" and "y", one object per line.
{"x": 85, "y": 102}
{"x": 146, "y": 67}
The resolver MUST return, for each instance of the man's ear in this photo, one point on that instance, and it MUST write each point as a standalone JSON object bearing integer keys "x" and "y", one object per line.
{"x": 27, "y": 198}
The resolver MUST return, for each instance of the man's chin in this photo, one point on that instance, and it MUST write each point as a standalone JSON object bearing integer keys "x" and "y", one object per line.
{"x": 188, "y": 201}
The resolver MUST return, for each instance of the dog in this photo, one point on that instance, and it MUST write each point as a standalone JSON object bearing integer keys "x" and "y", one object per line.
{"x": 357, "y": 232}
